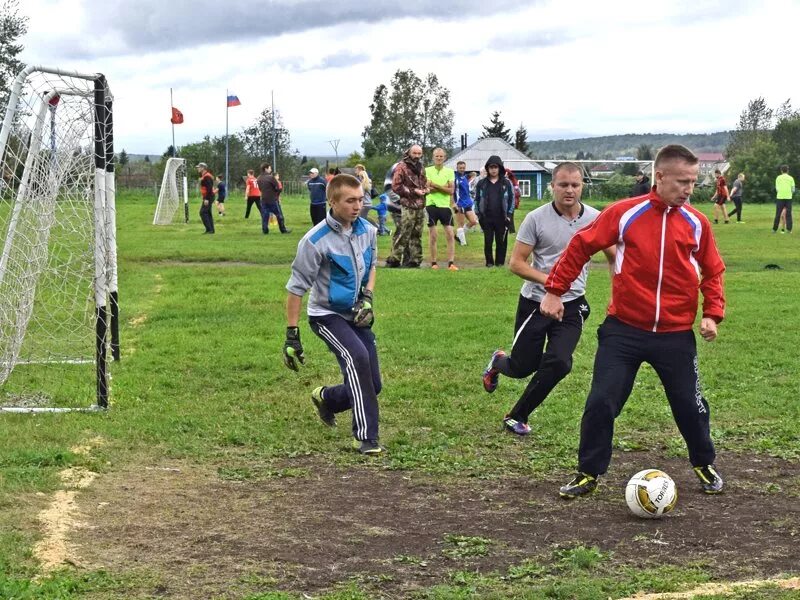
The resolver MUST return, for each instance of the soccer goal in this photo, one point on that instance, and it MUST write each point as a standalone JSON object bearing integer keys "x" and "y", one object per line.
{"x": 59, "y": 301}
{"x": 174, "y": 192}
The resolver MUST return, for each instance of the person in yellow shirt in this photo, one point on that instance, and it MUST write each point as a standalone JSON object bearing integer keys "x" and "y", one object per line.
{"x": 438, "y": 205}
{"x": 784, "y": 188}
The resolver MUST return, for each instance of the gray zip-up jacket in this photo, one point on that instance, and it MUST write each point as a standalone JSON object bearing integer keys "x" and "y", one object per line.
{"x": 334, "y": 264}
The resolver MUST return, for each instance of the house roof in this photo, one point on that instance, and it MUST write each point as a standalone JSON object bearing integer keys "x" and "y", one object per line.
{"x": 710, "y": 157}
{"x": 477, "y": 153}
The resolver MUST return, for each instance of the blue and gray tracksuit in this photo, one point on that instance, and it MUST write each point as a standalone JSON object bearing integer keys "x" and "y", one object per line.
{"x": 335, "y": 265}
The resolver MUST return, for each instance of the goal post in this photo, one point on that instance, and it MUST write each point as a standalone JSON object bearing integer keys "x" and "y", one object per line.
{"x": 174, "y": 192}
{"x": 59, "y": 297}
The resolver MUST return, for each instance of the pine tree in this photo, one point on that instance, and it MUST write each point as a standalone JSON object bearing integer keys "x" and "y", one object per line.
{"x": 496, "y": 128}
{"x": 521, "y": 139}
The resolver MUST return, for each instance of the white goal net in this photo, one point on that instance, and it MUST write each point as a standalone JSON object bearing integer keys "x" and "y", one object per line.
{"x": 174, "y": 193}
{"x": 59, "y": 311}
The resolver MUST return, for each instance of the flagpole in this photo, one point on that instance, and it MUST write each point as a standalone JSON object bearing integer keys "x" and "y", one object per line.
{"x": 274, "y": 157}
{"x": 174, "y": 149}
{"x": 226, "y": 137}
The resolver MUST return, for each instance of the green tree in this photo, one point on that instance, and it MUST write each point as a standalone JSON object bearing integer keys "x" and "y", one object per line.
{"x": 755, "y": 124}
{"x": 258, "y": 142}
{"x": 378, "y": 137}
{"x": 12, "y": 27}
{"x": 408, "y": 111}
{"x": 353, "y": 159}
{"x": 496, "y": 128}
{"x": 436, "y": 116}
{"x": 786, "y": 136}
{"x": 644, "y": 152}
{"x": 123, "y": 158}
{"x": 521, "y": 139}
{"x": 759, "y": 161}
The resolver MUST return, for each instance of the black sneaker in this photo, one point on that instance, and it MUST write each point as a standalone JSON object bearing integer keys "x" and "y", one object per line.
{"x": 369, "y": 447}
{"x": 710, "y": 479}
{"x": 326, "y": 415}
{"x": 582, "y": 484}
{"x": 286, "y": 231}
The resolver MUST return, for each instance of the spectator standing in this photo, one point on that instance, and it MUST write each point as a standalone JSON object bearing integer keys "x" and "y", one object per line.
{"x": 784, "y": 189}
{"x": 642, "y": 185}
{"x": 494, "y": 205}
{"x": 316, "y": 189}
{"x": 464, "y": 198}
{"x": 411, "y": 185}
{"x": 438, "y": 206}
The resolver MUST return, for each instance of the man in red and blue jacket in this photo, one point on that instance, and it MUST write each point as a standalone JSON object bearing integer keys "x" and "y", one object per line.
{"x": 666, "y": 253}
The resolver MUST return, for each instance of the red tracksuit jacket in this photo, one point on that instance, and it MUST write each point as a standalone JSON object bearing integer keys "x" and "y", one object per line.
{"x": 664, "y": 256}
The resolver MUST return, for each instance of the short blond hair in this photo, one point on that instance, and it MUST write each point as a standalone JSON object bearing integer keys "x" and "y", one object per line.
{"x": 339, "y": 182}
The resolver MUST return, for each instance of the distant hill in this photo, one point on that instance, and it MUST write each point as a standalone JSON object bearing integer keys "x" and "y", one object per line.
{"x": 611, "y": 146}
{"x": 139, "y": 157}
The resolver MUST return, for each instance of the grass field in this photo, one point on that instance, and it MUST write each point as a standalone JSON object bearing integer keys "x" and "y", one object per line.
{"x": 211, "y": 477}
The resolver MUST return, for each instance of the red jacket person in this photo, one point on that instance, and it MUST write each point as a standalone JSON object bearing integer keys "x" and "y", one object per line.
{"x": 666, "y": 253}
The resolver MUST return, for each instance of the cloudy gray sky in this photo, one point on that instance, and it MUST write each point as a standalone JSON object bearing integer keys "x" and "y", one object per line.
{"x": 564, "y": 68}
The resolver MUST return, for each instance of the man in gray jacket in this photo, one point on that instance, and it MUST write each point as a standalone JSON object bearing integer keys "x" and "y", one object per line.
{"x": 336, "y": 260}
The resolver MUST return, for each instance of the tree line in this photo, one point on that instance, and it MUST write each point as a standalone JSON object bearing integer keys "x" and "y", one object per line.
{"x": 764, "y": 139}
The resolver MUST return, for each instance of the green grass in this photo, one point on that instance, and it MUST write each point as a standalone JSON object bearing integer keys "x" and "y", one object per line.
{"x": 201, "y": 379}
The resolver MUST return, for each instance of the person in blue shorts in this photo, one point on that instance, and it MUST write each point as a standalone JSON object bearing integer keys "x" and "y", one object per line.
{"x": 222, "y": 193}
{"x": 465, "y": 205}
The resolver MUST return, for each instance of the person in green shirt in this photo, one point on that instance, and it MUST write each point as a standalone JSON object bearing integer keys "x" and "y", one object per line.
{"x": 438, "y": 205}
{"x": 784, "y": 188}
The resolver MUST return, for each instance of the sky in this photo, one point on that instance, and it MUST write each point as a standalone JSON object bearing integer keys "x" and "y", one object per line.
{"x": 563, "y": 69}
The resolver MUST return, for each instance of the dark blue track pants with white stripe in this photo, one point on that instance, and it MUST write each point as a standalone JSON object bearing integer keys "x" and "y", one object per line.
{"x": 621, "y": 350}
{"x": 357, "y": 354}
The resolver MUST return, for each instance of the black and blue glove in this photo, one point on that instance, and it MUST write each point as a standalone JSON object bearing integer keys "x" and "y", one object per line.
{"x": 363, "y": 316}
{"x": 292, "y": 349}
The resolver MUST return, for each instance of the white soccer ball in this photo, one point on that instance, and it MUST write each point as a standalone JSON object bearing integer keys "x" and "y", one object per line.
{"x": 651, "y": 493}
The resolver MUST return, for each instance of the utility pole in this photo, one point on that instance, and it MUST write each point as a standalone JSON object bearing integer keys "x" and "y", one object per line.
{"x": 335, "y": 145}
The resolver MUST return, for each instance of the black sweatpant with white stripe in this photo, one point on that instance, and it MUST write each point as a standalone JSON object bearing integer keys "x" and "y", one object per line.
{"x": 621, "y": 350}
{"x": 357, "y": 354}
{"x": 528, "y": 352}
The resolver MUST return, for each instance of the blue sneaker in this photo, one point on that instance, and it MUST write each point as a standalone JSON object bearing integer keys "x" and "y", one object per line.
{"x": 517, "y": 427}
{"x": 491, "y": 376}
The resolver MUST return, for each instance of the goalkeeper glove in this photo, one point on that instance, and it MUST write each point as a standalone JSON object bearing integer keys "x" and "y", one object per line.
{"x": 293, "y": 349}
{"x": 362, "y": 310}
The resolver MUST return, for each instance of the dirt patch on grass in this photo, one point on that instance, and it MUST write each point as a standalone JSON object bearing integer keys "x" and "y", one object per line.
{"x": 306, "y": 526}
{"x": 59, "y": 519}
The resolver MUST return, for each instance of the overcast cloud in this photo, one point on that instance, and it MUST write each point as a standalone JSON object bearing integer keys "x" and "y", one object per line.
{"x": 562, "y": 68}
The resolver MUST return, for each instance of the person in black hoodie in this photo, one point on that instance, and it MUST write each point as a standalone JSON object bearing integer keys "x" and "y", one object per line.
{"x": 494, "y": 205}
{"x": 642, "y": 185}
